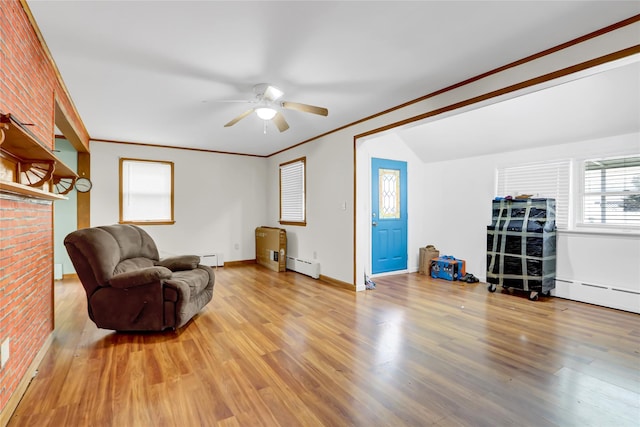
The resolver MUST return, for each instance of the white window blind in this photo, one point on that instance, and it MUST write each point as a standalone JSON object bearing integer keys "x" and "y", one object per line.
{"x": 292, "y": 192}
{"x": 612, "y": 191}
{"x": 146, "y": 191}
{"x": 541, "y": 180}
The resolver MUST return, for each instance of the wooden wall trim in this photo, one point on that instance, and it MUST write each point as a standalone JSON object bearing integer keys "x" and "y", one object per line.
{"x": 512, "y": 88}
{"x": 83, "y": 207}
{"x": 202, "y": 150}
{"x": 522, "y": 85}
{"x": 66, "y": 126}
{"x": 239, "y": 263}
{"x": 337, "y": 283}
{"x": 529, "y": 58}
{"x": 75, "y": 137}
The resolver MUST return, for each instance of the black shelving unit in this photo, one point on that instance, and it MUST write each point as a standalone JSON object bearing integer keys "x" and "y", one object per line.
{"x": 521, "y": 246}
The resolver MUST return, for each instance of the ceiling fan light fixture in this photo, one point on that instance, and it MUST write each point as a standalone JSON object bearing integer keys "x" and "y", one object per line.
{"x": 266, "y": 113}
{"x": 273, "y": 93}
{"x": 268, "y": 107}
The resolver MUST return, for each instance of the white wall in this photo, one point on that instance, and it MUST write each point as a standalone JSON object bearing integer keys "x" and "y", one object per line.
{"x": 328, "y": 235}
{"x": 219, "y": 199}
{"x": 338, "y": 237}
{"x": 214, "y": 212}
{"x": 457, "y": 223}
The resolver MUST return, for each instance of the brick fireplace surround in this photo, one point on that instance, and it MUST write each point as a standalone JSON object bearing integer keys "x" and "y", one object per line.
{"x": 30, "y": 89}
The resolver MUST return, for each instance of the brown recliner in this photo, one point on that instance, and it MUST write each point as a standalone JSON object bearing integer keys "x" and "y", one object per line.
{"x": 128, "y": 286}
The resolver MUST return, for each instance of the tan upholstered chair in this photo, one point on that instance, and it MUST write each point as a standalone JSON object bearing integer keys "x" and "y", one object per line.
{"x": 129, "y": 288}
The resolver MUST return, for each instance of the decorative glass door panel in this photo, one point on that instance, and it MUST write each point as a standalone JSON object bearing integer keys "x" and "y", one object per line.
{"x": 389, "y": 193}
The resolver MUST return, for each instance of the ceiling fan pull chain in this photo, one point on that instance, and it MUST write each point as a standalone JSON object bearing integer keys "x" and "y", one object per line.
{"x": 265, "y": 126}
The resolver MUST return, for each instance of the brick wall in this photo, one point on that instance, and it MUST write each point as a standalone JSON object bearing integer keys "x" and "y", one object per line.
{"x": 28, "y": 86}
{"x": 27, "y": 81}
{"x": 26, "y": 276}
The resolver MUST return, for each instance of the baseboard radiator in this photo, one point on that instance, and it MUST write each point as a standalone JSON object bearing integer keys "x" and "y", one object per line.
{"x": 309, "y": 268}
{"x": 212, "y": 259}
{"x": 612, "y": 296}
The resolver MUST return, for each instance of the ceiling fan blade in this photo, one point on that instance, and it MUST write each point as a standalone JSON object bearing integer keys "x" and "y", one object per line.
{"x": 240, "y": 117}
{"x": 305, "y": 108}
{"x": 280, "y": 122}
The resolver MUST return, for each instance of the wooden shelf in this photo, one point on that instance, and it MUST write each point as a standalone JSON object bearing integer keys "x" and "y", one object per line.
{"x": 25, "y": 190}
{"x": 20, "y": 142}
{"x": 36, "y": 166}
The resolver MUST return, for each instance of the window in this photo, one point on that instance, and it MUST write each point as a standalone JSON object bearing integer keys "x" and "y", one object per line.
{"x": 540, "y": 180}
{"x": 292, "y": 192}
{"x": 611, "y": 192}
{"x": 146, "y": 191}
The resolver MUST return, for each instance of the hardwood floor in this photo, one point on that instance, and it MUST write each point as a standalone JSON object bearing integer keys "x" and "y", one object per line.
{"x": 282, "y": 349}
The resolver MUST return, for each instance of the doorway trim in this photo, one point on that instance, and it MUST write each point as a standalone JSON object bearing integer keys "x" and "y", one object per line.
{"x": 549, "y": 79}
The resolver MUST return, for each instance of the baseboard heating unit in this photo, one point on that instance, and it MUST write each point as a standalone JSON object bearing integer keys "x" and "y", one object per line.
{"x": 309, "y": 268}
{"x": 613, "y": 296}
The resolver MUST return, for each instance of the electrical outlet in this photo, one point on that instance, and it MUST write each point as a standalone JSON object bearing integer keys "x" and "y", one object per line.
{"x": 4, "y": 353}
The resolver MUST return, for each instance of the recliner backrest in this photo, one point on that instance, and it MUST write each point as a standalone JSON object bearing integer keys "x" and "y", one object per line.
{"x": 100, "y": 252}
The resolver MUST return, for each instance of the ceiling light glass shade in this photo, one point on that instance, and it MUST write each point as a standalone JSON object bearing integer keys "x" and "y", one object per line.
{"x": 266, "y": 113}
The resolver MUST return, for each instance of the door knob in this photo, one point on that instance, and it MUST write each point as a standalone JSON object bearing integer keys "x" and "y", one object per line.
{"x": 374, "y": 223}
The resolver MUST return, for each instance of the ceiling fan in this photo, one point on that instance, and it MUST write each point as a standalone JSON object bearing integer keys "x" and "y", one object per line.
{"x": 268, "y": 103}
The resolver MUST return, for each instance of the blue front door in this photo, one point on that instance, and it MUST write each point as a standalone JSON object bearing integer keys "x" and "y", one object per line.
{"x": 388, "y": 215}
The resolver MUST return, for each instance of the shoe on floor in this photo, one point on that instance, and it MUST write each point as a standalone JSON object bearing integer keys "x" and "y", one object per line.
{"x": 469, "y": 278}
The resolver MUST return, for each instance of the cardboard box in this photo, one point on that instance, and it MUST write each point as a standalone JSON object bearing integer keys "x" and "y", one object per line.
{"x": 447, "y": 267}
{"x": 271, "y": 248}
{"x": 426, "y": 255}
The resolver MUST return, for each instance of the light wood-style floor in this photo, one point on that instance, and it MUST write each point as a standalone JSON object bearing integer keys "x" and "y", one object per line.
{"x": 281, "y": 349}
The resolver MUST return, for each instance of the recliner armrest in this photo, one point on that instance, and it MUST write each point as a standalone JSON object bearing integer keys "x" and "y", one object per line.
{"x": 180, "y": 262}
{"x": 139, "y": 277}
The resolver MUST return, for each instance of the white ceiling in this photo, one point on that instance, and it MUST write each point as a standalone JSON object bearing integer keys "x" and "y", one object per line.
{"x": 599, "y": 105}
{"x": 154, "y": 71}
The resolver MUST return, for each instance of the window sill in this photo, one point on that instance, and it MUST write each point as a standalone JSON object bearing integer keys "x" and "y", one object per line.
{"x": 602, "y": 232}
{"x": 301, "y": 224}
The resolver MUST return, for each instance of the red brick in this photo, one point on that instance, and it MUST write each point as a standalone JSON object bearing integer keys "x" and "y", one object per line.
{"x": 28, "y": 84}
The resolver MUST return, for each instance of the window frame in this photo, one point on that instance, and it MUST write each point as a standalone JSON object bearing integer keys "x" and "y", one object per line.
{"x": 289, "y": 221}
{"x": 524, "y": 175}
{"x": 121, "y": 194}
{"x": 581, "y": 193}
